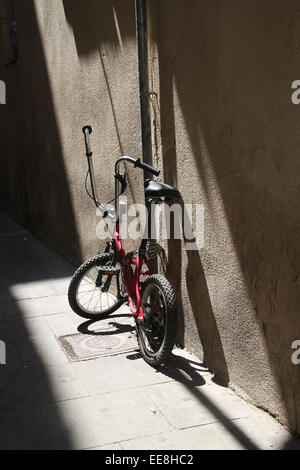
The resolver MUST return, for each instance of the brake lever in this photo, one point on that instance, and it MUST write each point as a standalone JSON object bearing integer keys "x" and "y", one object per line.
{"x": 122, "y": 180}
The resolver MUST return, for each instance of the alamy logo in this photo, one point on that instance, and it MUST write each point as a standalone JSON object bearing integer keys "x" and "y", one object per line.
{"x": 296, "y": 354}
{"x": 296, "y": 94}
{"x": 177, "y": 222}
{"x": 2, "y": 353}
{"x": 2, "y": 92}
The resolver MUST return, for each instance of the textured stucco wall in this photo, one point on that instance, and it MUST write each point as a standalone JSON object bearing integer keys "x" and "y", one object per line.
{"x": 76, "y": 66}
{"x": 230, "y": 140}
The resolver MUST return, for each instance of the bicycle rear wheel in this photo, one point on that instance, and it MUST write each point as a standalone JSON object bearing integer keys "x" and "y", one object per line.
{"x": 157, "y": 335}
{"x": 92, "y": 295}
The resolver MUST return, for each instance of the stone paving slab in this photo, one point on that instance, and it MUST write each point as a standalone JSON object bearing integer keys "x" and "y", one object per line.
{"x": 63, "y": 324}
{"x": 117, "y": 373}
{"x": 209, "y": 437}
{"x": 23, "y": 430}
{"x": 41, "y": 349}
{"x": 44, "y": 306}
{"x": 254, "y": 432}
{"x": 16, "y": 331}
{"x": 240, "y": 434}
{"x": 31, "y": 386}
{"x": 108, "y": 447}
{"x": 113, "y": 417}
{"x": 186, "y": 406}
{"x": 20, "y": 243}
{"x": 39, "y": 288}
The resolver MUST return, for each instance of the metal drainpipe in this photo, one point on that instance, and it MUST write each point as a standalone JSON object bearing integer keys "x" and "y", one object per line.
{"x": 142, "y": 42}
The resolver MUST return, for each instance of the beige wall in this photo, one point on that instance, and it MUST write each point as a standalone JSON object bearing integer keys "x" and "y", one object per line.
{"x": 225, "y": 132}
{"x": 230, "y": 140}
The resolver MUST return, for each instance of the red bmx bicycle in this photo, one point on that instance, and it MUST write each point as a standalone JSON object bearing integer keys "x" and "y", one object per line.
{"x": 102, "y": 284}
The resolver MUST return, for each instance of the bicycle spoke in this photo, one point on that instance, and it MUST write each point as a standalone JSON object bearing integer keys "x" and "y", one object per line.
{"x": 90, "y": 296}
{"x": 89, "y": 275}
{"x": 99, "y": 300}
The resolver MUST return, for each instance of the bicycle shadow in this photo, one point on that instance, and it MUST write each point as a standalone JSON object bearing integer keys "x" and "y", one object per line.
{"x": 188, "y": 373}
{"x": 184, "y": 370}
{"x": 178, "y": 369}
{"x": 110, "y": 327}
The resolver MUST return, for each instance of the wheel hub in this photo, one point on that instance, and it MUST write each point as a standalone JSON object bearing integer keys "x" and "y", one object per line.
{"x": 146, "y": 321}
{"x": 147, "y": 315}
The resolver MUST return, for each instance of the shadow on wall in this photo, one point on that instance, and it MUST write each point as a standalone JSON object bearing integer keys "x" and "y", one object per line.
{"x": 199, "y": 299}
{"x": 35, "y": 186}
{"x": 100, "y": 19}
{"x": 101, "y": 23}
{"x": 105, "y": 36}
{"x": 232, "y": 66}
{"x": 207, "y": 329}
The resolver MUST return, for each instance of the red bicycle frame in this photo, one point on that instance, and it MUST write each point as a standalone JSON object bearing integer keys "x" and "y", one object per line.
{"x": 132, "y": 280}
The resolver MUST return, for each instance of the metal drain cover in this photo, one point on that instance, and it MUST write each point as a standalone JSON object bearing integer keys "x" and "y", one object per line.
{"x": 109, "y": 337}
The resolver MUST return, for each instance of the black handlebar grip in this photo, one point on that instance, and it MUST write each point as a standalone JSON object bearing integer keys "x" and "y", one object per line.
{"x": 146, "y": 167}
{"x": 87, "y": 128}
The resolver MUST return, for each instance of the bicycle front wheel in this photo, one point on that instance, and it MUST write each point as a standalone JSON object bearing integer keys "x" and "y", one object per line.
{"x": 157, "y": 334}
{"x": 92, "y": 295}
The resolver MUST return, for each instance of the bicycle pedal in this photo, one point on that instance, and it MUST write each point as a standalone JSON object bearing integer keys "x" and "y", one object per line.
{"x": 109, "y": 271}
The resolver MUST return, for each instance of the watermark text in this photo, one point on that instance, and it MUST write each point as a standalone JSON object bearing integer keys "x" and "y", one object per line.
{"x": 164, "y": 222}
{"x": 296, "y": 353}
{"x": 2, "y": 353}
{"x": 2, "y": 92}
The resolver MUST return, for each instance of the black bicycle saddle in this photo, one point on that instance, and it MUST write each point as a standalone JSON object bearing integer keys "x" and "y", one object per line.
{"x": 156, "y": 190}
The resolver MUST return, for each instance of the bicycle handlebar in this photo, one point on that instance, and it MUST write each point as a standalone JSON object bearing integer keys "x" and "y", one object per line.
{"x": 138, "y": 164}
{"x": 87, "y": 130}
{"x": 146, "y": 167}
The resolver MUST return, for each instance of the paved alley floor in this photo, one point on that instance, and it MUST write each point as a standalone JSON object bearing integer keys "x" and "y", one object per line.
{"x": 72, "y": 384}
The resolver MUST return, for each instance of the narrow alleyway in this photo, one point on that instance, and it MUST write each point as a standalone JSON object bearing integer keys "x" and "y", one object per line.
{"x": 71, "y": 384}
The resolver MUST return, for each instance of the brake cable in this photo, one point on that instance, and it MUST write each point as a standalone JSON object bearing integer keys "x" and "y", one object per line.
{"x": 121, "y": 178}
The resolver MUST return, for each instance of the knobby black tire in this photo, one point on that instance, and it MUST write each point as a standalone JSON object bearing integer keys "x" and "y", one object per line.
{"x": 99, "y": 260}
{"x": 164, "y": 353}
